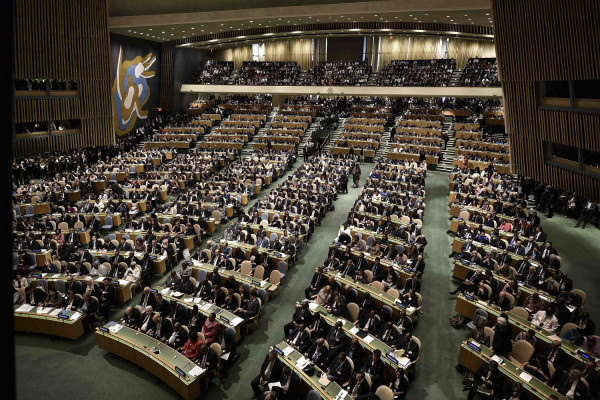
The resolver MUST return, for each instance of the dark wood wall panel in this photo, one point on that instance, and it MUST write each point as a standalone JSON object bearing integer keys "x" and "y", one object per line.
{"x": 64, "y": 39}
{"x": 166, "y": 75}
{"x": 547, "y": 40}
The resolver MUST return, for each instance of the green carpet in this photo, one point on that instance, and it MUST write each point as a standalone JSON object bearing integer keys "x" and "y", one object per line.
{"x": 63, "y": 367}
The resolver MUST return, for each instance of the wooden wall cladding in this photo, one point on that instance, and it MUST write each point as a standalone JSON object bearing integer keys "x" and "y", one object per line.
{"x": 166, "y": 75}
{"x": 547, "y": 40}
{"x": 66, "y": 40}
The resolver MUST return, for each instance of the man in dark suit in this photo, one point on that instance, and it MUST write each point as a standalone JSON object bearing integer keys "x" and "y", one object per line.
{"x": 487, "y": 374}
{"x": 162, "y": 328}
{"x": 161, "y": 306}
{"x": 358, "y": 385}
{"x": 318, "y": 327}
{"x": 339, "y": 369}
{"x": 556, "y": 355}
{"x": 108, "y": 298}
{"x": 147, "y": 298}
{"x": 355, "y": 351}
{"x": 389, "y": 334}
{"x": 178, "y": 336}
{"x": 339, "y": 308}
{"x": 316, "y": 284}
{"x": 95, "y": 244}
{"x": 369, "y": 323}
{"x": 89, "y": 307}
{"x": 270, "y": 371}
{"x": 208, "y": 359}
{"x": 251, "y": 308}
{"x": 177, "y": 312}
{"x": 84, "y": 256}
{"x": 290, "y": 385}
{"x": 131, "y": 318}
{"x": 500, "y": 300}
{"x": 317, "y": 353}
{"x": 404, "y": 323}
{"x": 572, "y": 383}
{"x": 337, "y": 340}
{"x": 217, "y": 296}
{"x": 72, "y": 243}
{"x": 299, "y": 338}
{"x": 302, "y": 315}
{"x": 410, "y": 346}
{"x": 375, "y": 368}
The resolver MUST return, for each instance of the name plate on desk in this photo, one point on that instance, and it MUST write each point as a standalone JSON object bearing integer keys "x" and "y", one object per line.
{"x": 474, "y": 346}
{"x": 180, "y": 371}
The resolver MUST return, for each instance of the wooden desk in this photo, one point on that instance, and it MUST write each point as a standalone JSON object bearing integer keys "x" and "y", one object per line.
{"x": 226, "y": 273}
{"x": 311, "y": 382}
{"x": 247, "y": 248}
{"x": 47, "y": 324}
{"x": 139, "y": 349}
{"x": 123, "y": 287}
{"x": 226, "y": 318}
{"x": 38, "y": 208}
{"x": 467, "y": 308}
{"x": 472, "y": 360}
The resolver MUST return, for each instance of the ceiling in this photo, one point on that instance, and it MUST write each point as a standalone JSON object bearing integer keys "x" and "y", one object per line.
{"x": 163, "y": 21}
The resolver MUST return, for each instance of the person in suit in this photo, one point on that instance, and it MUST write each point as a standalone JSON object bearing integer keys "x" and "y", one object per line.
{"x": 502, "y": 344}
{"x": 337, "y": 340}
{"x": 270, "y": 371}
{"x": 487, "y": 375}
{"x": 147, "y": 298}
{"x": 146, "y": 322}
{"x": 217, "y": 296}
{"x": 317, "y": 353}
{"x": 161, "y": 329}
{"x": 410, "y": 346}
{"x": 95, "y": 244}
{"x": 370, "y": 323}
{"x": 108, "y": 297}
{"x": 479, "y": 334}
{"x": 89, "y": 307}
{"x": 299, "y": 339}
{"x": 404, "y": 323}
{"x": 317, "y": 282}
{"x": 399, "y": 384}
{"x": 177, "y": 312}
{"x": 302, "y": 315}
{"x": 339, "y": 369}
{"x": 585, "y": 327}
{"x": 131, "y": 318}
{"x": 204, "y": 289}
{"x": 177, "y": 338}
{"x": 375, "y": 368}
{"x": 251, "y": 308}
{"x": 317, "y": 327}
{"x": 339, "y": 307}
{"x": 471, "y": 280}
{"x": 358, "y": 385}
{"x": 207, "y": 359}
{"x": 389, "y": 334}
{"x": 553, "y": 353}
{"x": 571, "y": 386}
{"x": 290, "y": 385}
{"x": 161, "y": 306}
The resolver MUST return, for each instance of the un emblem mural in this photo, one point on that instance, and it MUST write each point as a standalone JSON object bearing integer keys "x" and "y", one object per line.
{"x": 131, "y": 91}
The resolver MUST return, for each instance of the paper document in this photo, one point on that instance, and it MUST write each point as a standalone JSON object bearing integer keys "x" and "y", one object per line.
{"x": 55, "y": 276}
{"x": 176, "y": 294}
{"x": 206, "y": 306}
{"x": 75, "y": 315}
{"x": 288, "y": 350}
{"x": 354, "y": 330}
{"x": 165, "y": 291}
{"x": 46, "y": 310}
{"x": 44, "y": 274}
{"x": 55, "y": 312}
{"x": 197, "y": 300}
{"x": 274, "y": 384}
{"x": 497, "y": 359}
{"x": 123, "y": 282}
{"x": 313, "y": 306}
{"x": 404, "y": 362}
{"x": 342, "y": 394}
{"x": 24, "y": 308}
{"x": 302, "y": 362}
{"x": 263, "y": 283}
{"x": 236, "y": 321}
{"x": 369, "y": 339}
{"x": 323, "y": 380}
{"x": 525, "y": 376}
{"x": 196, "y": 371}
{"x": 115, "y": 328}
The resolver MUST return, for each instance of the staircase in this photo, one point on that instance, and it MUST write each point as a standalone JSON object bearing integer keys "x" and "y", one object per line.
{"x": 247, "y": 149}
{"x": 373, "y": 78}
{"x": 384, "y": 145}
{"x": 335, "y": 135}
{"x": 446, "y": 164}
{"x": 455, "y": 78}
{"x": 307, "y": 135}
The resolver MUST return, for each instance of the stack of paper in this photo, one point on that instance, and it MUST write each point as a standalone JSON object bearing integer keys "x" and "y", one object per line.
{"x": 197, "y": 300}
{"x": 369, "y": 339}
{"x": 525, "y": 376}
{"x": 25, "y": 308}
{"x": 313, "y": 306}
{"x": 288, "y": 350}
{"x": 236, "y": 321}
{"x": 115, "y": 328}
{"x": 497, "y": 359}
{"x": 354, "y": 330}
{"x": 302, "y": 362}
{"x": 404, "y": 362}
{"x": 196, "y": 371}
{"x": 75, "y": 315}
{"x": 55, "y": 276}
{"x": 274, "y": 384}
{"x": 206, "y": 306}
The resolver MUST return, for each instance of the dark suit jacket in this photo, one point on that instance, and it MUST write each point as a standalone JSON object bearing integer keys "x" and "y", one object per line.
{"x": 211, "y": 362}
{"x": 302, "y": 342}
{"x": 393, "y": 338}
{"x": 564, "y": 385}
{"x": 496, "y": 378}
{"x": 149, "y": 302}
{"x": 321, "y": 357}
{"x": 375, "y": 369}
{"x": 363, "y": 387}
{"x": 275, "y": 371}
{"x": 561, "y": 359}
{"x": 336, "y": 341}
{"x": 411, "y": 350}
{"x": 293, "y": 387}
{"x": 340, "y": 370}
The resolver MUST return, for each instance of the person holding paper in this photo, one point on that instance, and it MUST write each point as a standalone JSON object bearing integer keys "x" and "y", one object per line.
{"x": 487, "y": 376}
{"x": 177, "y": 338}
{"x": 270, "y": 371}
{"x": 289, "y": 385}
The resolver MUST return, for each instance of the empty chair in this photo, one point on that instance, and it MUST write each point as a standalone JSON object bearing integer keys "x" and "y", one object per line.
{"x": 43, "y": 284}
{"x": 521, "y": 312}
{"x": 282, "y": 268}
{"x": 370, "y": 240}
{"x": 108, "y": 223}
{"x": 112, "y": 236}
{"x": 17, "y": 211}
{"x": 29, "y": 212}
{"x": 59, "y": 285}
{"x": 275, "y": 281}
{"x": 399, "y": 249}
{"x": 464, "y": 214}
{"x": 384, "y": 393}
{"x": 259, "y": 272}
{"x": 521, "y": 353}
{"x": 354, "y": 310}
{"x": 478, "y": 316}
{"x": 246, "y": 267}
{"x": 581, "y": 293}
{"x": 273, "y": 237}
{"x": 31, "y": 260}
{"x": 313, "y": 395}
{"x": 201, "y": 275}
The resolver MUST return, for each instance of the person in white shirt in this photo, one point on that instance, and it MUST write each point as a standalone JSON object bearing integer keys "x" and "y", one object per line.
{"x": 132, "y": 273}
{"x": 545, "y": 319}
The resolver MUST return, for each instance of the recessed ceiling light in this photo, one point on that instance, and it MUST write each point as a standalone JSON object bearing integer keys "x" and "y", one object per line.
{"x": 151, "y": 29}
{"x": 487, "y": 13}
{"x": 251, "y": 21}
{"x": 410, "y": 15}
{"x": 129, "y": 30}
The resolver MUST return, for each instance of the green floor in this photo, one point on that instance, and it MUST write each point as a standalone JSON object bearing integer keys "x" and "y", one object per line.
{"x": 78, "y": 367}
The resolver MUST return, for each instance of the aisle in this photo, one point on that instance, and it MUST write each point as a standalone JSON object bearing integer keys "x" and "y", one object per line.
{"x": 278, "y": 312}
